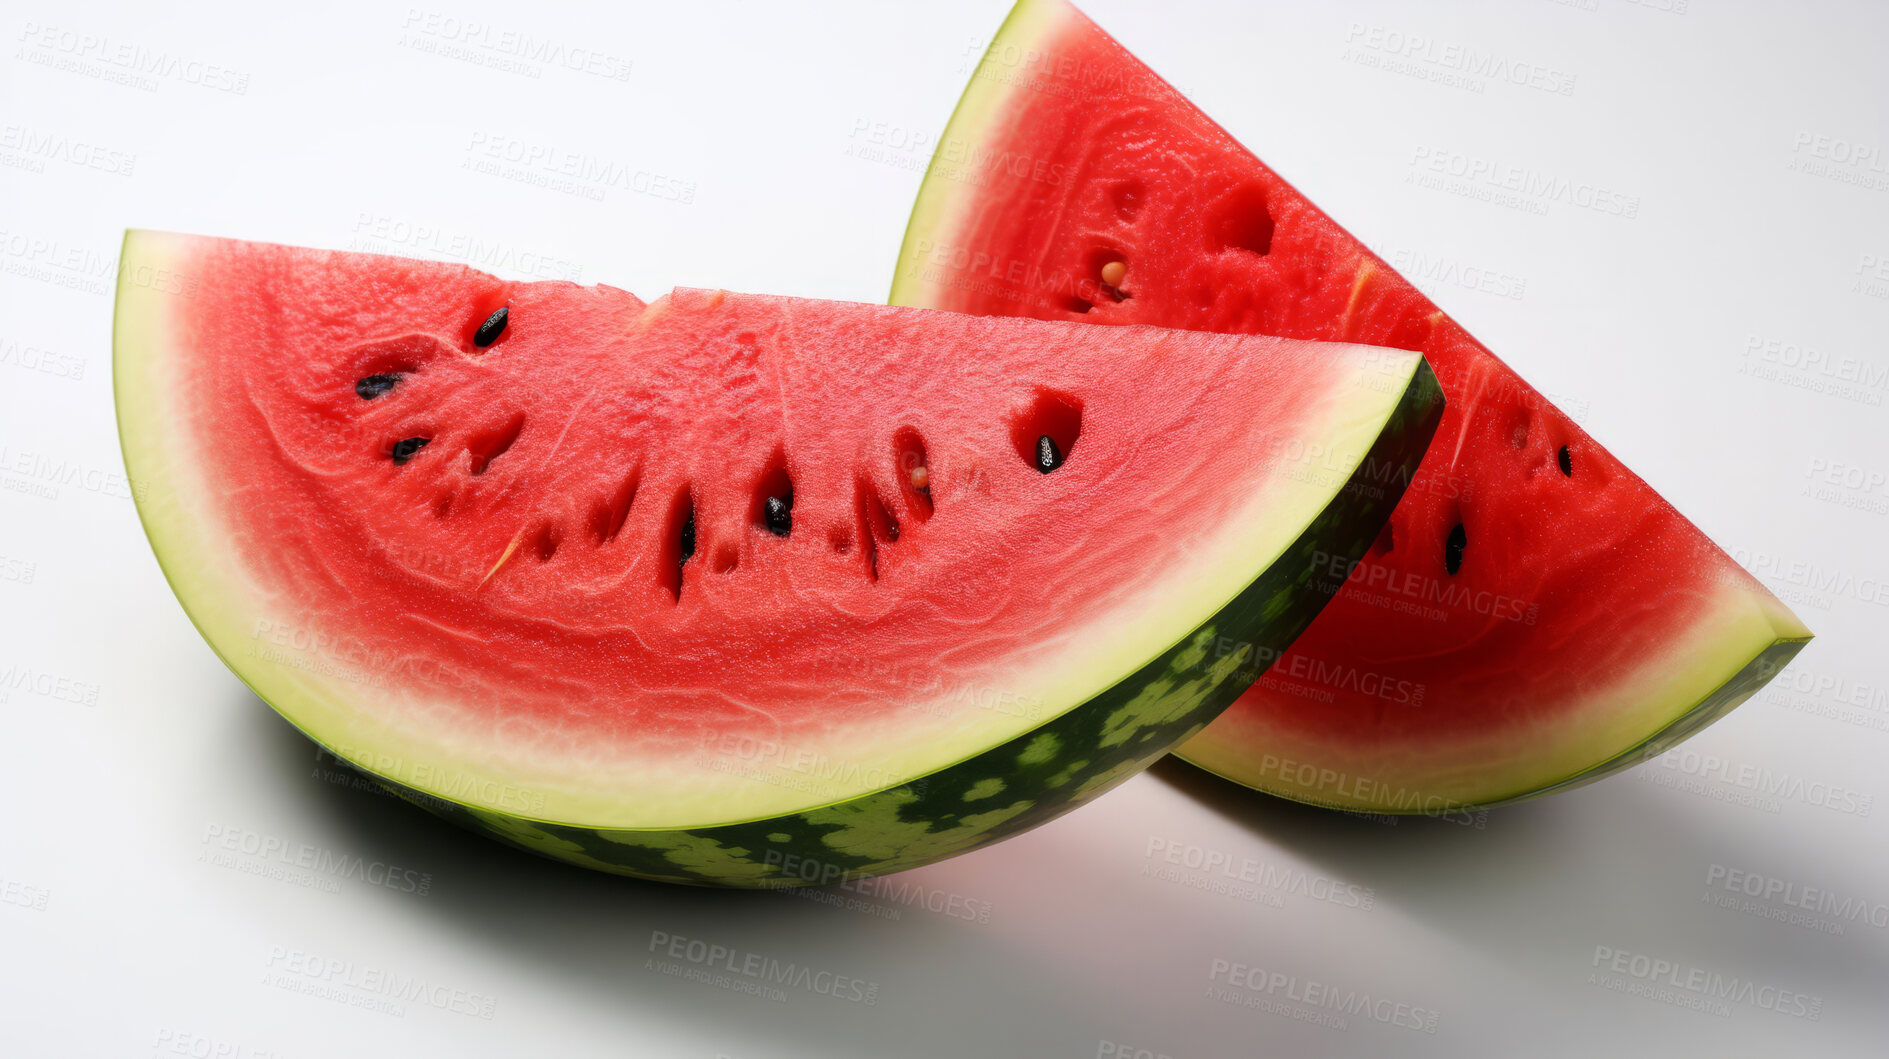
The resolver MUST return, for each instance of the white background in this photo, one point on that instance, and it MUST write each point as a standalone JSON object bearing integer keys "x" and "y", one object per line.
{"x": 1678, "y": 336}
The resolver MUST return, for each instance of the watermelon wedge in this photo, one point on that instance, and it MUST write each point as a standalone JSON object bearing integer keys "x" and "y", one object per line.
{"x": 1534, "y": 617}
{"x": 728, "y": 589}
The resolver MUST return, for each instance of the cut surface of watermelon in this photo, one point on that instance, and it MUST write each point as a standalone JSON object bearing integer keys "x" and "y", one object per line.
{"x": 1535, "y": 616}
{"x": 728, "y": 588}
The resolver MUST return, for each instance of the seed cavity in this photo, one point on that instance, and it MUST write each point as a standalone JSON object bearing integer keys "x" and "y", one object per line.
{"x": 1078, "y": 305}
{"x": 1244, "y": 224}
{"x": 374, "y": 385}
{"x": 404, "y": 449}
{"x": 608, "y": 514}
{"x": 772, "y": 507}
{"x": 1453, "y": 549}
{"x": 544, "y": 544}
{"x": 1051, "y": 417}
{"x": 913, "y": 472}
{"x": 1566, "y": 460}
{"x": 778, "y": 513}
{"x": 489, "y": 445}
{"x": 876, "y": 523}
{"x": 1048, "y": 456}
{"x": 727, "y": 557}
{"x": 493, "y": 327}
{"x": 677, "y": 543}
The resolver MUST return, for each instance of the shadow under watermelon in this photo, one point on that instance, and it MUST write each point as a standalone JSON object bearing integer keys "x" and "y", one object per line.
{"x": 587, "y": 936}
{"x": 1619, "y": 863}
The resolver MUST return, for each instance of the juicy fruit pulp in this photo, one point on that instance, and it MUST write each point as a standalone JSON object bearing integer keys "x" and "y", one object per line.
{"x": 1533, "y": 616}
{"x": 719, "y": 587}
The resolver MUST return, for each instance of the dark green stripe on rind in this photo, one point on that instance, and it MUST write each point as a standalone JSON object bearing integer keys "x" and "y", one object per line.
{"x": 1046, "y": 772}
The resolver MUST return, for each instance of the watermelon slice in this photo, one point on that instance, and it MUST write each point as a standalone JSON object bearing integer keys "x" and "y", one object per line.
{"x": 1534, "y": 617}
{"x": 729, "y": 589}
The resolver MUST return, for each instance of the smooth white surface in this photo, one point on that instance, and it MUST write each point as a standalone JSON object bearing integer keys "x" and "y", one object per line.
{"x": 797, "y": 133}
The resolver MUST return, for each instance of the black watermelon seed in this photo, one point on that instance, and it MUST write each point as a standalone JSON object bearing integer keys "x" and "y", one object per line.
{"x": 688, "y": 538}
{"x": 1048, "y": 456}
{"x": 1566, "y": 460}
{"x": 406, "y": 447}
{"x": 493, "y": 327}
{"x": 779, "y": 513}
{"x": 1453, "y": 549}
{"x": 375, "y": 385}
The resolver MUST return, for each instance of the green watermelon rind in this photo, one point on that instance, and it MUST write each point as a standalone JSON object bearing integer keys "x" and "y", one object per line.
{"x": 1066, "y": 761}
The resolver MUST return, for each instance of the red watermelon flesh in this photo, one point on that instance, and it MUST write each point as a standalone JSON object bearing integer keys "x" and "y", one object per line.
{"x": 1534, "y": 616}
{"x": 720, "y": 587}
